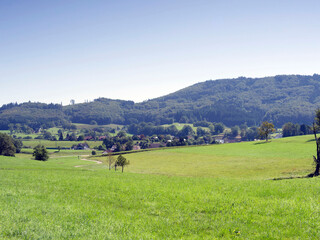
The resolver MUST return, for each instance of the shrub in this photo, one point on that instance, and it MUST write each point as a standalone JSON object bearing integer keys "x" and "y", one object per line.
{"x": 40, "y": 153}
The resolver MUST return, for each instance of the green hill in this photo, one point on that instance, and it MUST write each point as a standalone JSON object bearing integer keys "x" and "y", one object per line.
{"x": 280, "y": 99}
{"x": 32, "y": 114}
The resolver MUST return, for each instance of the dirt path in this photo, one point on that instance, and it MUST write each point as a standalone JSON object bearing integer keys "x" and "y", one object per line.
{"x": 85, "y": 159}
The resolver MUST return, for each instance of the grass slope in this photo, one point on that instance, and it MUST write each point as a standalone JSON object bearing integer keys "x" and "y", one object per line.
{"x": 281, "y": 157}
{"x": 55, "y": 144}
{"x": 55, "y": 200}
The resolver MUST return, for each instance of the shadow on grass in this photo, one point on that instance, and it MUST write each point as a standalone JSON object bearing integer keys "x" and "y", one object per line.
{"x": 311, "y": 140}
{"x": 311, "y": 175}
{"x": 264, "y": 142}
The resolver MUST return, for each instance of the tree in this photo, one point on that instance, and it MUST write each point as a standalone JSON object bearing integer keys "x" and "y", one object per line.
{"x": 93, "y": 122}
{"x": 18, "y": 145}
{"x": 40, "y": 153}
{"x": 219, "y": 128}
{"x": 265, "y": 129}
{"x": 60, "y": 136}
{"x": 18, "y": 128}
{"x": 111, "y": 160}
{"x": 201, "y": 132}
{"x": 129, "y": 146}
{"x": 305, "y": 129}
{"x": 122, "y": 161}
{"x": 47, "y": 135}
{"x": 121, "y": 134}
{"x": 186, "y": 131}
{"x": 7, "y": 147}
{"x": 80, "y": 138}
{"x": 290, "y": 129}
{"x": 11, "y": 128}
{"x": 316, "y": 159}
{"x": 235, "y": 131}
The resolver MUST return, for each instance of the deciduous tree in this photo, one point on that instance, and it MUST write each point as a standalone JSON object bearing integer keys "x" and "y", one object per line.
{"x": 7, "y": 147}
{"x": 122, "y": 161}
{"x": 316, "y": 159}
{"x": 265, "y": 129}
{"x": 111, "y": 160}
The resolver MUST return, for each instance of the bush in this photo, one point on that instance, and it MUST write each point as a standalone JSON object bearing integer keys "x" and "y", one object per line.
{"x": 18, "y": 145}
{"x": 40, "y": 153}
{"x": 27, "y": 137}
{"x": 7, "y": 147}
{"x": 94, "y": 152}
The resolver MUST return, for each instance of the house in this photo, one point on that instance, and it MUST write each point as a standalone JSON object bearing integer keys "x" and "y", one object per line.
{"x": 114, "y": 147}
{"x": 88, "y": 138}
{"x": 81, "y": 146}
{"x": 238, "y": 138}
{"x": 156, "y": 145}
{"x": 136, "y": 147}
{"x": 106, "y": 152}
{"x": 220, "y": 138}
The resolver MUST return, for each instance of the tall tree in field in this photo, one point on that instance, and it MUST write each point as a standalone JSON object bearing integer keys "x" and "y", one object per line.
{"x": 265, "y": 129}
{"x": 111, "y": 159}
{"x": 61, "y": 136}
{"x": 122, "y": 161}
{"x": 316, "y": 127}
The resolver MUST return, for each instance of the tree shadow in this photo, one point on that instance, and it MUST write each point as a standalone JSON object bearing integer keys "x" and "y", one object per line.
{"x": 264, "y": 142}
{"x": 311, "y": 175}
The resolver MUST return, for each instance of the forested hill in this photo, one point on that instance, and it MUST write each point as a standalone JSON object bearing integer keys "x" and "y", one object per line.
{"x": 279, "y": 99}
{"x": 32, "y": 114}
{"x": 233, "y": 101}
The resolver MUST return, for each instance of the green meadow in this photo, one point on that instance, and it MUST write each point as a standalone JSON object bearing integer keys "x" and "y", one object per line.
{"x": 206, "y": 192}
{"x": 279, "y": 158}
{"x": 55, "y": 144}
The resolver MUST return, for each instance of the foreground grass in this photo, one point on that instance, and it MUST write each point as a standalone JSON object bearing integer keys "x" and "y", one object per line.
{"x": 55, "y": 200}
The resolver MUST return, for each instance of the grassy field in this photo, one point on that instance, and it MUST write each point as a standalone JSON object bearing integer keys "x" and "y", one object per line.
{"x": 88, "y": 126}
{"x": 281, "y": 157}
{"x": 67, "y": 198}
{"x": 55, "y": 144}
{"x": 179, "y": 126}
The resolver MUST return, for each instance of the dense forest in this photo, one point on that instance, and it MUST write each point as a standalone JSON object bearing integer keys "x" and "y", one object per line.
{"x": 279, "y": 99}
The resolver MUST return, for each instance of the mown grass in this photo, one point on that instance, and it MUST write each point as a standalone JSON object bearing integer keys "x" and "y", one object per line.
{"x": 282, "y": 157}
{"x": 55, "y": 144}
{"x": 55, "y": 200}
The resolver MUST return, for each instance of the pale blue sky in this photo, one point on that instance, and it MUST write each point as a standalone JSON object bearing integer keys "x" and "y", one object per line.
{"x": 54, "y": 51}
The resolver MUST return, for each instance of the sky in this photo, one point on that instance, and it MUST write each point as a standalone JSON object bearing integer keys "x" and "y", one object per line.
{"x": 55, "y": 51}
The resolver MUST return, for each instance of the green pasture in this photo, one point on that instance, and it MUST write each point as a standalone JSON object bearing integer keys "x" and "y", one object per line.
{"x": 88, "y": 126}
{"x": 179, "y": 126}
{"x": 277, "y": 158}
{"x": 55, "y": 144}
{"x": 22, "y": 135}
{"x": 225, "y": 196}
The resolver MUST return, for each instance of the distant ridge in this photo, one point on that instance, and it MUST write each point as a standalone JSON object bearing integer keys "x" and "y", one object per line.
{"x": 279, "y": 99}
